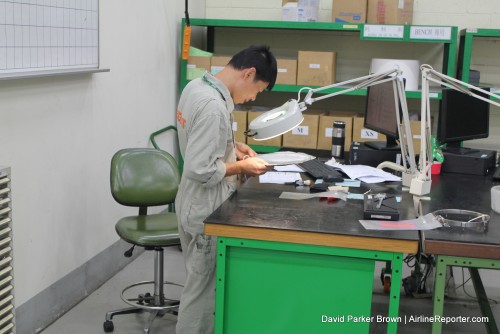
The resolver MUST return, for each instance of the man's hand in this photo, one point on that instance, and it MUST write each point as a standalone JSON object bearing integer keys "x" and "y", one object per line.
{"x": 249, "y": 166}
{"x": 243, "y": 150}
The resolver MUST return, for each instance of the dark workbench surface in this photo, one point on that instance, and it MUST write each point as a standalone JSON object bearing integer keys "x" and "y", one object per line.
{"x": 259, "y": 205}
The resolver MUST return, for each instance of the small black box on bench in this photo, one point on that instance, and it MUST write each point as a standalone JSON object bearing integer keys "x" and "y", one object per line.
{"x": 381, "y": 206}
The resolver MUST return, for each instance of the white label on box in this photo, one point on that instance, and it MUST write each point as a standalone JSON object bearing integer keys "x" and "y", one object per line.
{"x": 369, "y": 134}
{"x": 440, "y": 33}
{"x": 385, "y": 31}
{"x": 314, "y": 66}
{"x": 329, "y": 132}
{"x": 417, "y": 136}
{"x": 191, "y": 66}
{"x": 401, "y": 4}
{"x": 282, "y": 70}
{"x": 235, "y": 126}
{"x": 434, "y": 95}
{"x": 301, "y": 130}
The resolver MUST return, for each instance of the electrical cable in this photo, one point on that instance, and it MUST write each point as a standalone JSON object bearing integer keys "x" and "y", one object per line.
{"x": 186, "y": 13}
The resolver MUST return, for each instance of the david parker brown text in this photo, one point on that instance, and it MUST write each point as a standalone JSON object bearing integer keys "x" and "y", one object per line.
{"x": 405, "y": 319}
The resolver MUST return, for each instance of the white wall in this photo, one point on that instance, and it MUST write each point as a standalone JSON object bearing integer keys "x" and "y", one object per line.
{"x": 59, "y": 133}
{"x": 461, "y": 13}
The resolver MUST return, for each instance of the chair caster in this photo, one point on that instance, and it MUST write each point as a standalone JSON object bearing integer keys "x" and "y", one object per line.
{"x": 145, "y": 298}
{"x": 108, "y": 326}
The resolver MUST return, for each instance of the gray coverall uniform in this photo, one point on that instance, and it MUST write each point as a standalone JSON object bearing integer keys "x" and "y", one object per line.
{"x": 206, "y": 142}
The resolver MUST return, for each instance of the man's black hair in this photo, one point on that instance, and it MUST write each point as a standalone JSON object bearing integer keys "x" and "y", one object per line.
{"x": 261, "y": 58}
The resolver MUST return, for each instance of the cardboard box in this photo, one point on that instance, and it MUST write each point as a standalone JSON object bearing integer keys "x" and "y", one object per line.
{"x": 300, "y": 10}
{"x": 287, "y": 71}
{"x": 305, "y": 135}
{"x": 390, "y": 12}
{"x": 307, "y": 10}
{"x": 289, "y": 12}
{"x": 251, "y": 115}
{"x": 316, "y": 68}
{"x": 217, "y": 63}
{"x": 325, "y": 129}
{"x": 239, "y": 126}
{"x": 351, "y": 11}
{"x": 362, "y": 134}
{"x": 197, "y": 66}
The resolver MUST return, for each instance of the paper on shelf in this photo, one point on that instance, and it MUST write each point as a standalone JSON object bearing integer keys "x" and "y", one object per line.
{"x": 198, "y": 52}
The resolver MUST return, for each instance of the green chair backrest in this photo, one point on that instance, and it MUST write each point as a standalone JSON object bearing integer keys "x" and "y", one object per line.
{"x": 152, "y": 138}
{"x": 143, "y": 177}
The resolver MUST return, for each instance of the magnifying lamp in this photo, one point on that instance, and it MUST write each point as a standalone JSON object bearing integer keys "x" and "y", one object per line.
{"x": 288, "y": 116}
{"x": 277, "y": 121}
{"x": 280, "y": 120}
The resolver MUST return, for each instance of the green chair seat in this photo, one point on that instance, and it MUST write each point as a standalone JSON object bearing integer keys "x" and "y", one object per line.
{"x": 156, "y": 230}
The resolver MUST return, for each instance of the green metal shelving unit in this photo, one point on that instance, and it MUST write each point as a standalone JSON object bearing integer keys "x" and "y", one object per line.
{"x": 467, "y": 37}
{"x": 406, "y": 35}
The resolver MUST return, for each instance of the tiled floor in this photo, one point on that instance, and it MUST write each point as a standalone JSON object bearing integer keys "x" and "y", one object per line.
{"x": 88, "y": 316}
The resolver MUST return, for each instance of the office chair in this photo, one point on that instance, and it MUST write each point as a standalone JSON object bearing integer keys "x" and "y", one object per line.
{"x": 143, "y": 177}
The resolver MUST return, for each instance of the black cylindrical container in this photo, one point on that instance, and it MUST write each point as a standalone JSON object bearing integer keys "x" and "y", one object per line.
{"x": 338, "y": 139}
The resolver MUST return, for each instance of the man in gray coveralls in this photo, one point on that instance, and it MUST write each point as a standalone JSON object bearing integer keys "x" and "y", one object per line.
{"x": 212, "y": 163}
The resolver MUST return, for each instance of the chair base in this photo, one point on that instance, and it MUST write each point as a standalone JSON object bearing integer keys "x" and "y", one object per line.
{"x": 143, "y": 303}
{"x": 109, "y": 326}
{"x": 156, "y": 304}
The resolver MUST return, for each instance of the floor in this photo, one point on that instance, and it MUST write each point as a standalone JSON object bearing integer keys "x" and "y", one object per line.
{"x": 88, "y": 316}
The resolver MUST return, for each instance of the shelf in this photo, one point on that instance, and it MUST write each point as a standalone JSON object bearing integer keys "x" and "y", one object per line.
{"x": 467, "y": 37}
{"x": 397, "y": 33}
{"x": 274, "y": 24}
{"x": 445, "y": 35}
{"x": 360, "y": 92}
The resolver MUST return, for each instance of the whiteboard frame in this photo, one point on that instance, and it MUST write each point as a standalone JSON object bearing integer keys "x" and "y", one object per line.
{"x": 24, "y": 72}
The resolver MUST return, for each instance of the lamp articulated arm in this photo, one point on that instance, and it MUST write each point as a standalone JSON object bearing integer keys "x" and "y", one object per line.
{"x": 421, "y": 185}
{"x": 289, "y": 115}
{"x": 408, "y": 167}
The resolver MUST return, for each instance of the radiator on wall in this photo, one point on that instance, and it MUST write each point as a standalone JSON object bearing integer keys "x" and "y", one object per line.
{"x": 6, "y": 268}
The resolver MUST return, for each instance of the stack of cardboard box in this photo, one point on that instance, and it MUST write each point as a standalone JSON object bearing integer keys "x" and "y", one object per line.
{"x": 315, "y": 132}
{"x": 373, "y": 11}
{"x": 310, "y": 68}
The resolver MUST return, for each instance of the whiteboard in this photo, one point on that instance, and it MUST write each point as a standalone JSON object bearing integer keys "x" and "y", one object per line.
{"x": 38, "y": 36}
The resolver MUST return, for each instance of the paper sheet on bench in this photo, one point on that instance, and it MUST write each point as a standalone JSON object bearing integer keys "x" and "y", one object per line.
{"x": 279, "y": 177}
{"x": 366, "y": 174}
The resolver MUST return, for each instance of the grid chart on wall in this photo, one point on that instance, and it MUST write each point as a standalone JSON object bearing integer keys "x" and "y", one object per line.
{"x": 45, "y": 35}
